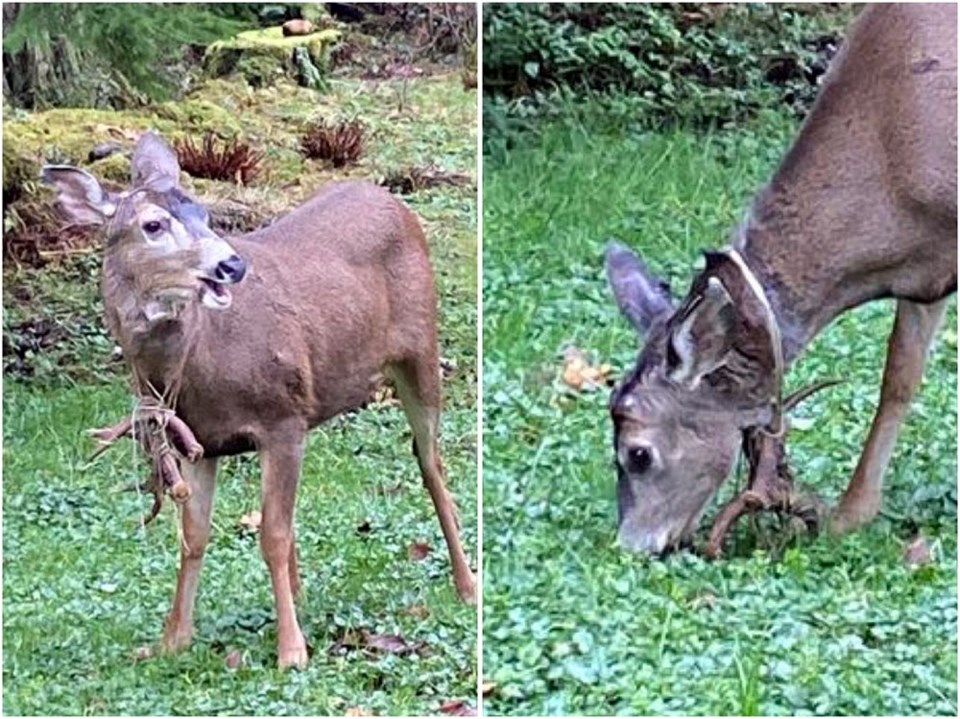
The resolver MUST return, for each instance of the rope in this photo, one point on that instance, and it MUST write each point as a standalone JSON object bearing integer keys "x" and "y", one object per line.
{"x": 777, "y": 426}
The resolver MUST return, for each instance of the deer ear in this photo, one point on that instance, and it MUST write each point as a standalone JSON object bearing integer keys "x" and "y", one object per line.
{"x": 79, "y": 195}
{"x": 702, "y": 335}
{"x": 154, "y": 164}
{"x": 643, "y": 298}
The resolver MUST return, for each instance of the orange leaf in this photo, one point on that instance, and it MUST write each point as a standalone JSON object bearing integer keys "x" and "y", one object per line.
{"x": 234, "y": 660}
{"x": 458, "y": 707}
{"x": 251, "y": 521}
{"x": 418, "y": 551}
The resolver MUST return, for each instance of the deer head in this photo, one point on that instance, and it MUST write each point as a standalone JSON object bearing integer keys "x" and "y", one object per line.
{"x": 157, "y": 237}
{"x": 679, "y": 413}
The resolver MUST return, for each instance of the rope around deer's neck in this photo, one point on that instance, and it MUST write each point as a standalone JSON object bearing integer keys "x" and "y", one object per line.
{"x": 776, "y": 426}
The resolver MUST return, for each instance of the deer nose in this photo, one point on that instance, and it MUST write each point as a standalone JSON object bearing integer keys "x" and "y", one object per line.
{"x": 231, "y": 270}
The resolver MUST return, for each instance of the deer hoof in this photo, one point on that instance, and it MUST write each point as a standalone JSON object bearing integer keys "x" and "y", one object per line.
{"x": 295, "y": 658}
{"x": 175, "y": 641}
{"x": 467, "y": 589}
{"x": 851, "y": 515}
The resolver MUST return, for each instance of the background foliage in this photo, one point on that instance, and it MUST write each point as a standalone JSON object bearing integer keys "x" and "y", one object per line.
{"x": 96, "y": 54}
{"x": 693, "y": 64}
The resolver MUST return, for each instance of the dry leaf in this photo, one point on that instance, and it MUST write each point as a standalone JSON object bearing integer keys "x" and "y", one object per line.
{"x": 144, "y": 652}
{"x": 418, "y": 551}
{"x": 234, "y": 659}
{"x": 487, "y": 688}
{"x": 582, "y": 375}
{"x": 354, "y": 639}
{"x": 391, "y": 644}
{"x": 418, "y": 610}
{"x": 357, "y": 712}
{"x": 707, "y": 600}
{"x": 458, "y": 707}
{"x": 251, "y": 521}
{"x": 917, "y": 552}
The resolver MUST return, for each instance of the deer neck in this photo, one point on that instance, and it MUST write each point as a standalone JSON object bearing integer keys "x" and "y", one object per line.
{"x": 158, "y": 331}
{"x": 822, "y": 235}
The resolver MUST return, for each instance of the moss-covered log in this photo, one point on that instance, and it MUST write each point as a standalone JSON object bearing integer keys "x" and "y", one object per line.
{"x": 260, "y": 56}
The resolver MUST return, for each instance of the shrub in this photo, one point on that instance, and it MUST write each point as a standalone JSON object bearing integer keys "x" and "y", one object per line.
{"x": 696, "y": 65}
{"x": 339, "y": 143}
{"x": 233, "y": 160}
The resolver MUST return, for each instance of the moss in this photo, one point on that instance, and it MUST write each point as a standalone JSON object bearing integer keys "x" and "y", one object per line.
{"x": 19, "y": 170}
{"x": 115, "y": 168}
{"x": 194, "y": 115}
{"x": 258, "y": 55}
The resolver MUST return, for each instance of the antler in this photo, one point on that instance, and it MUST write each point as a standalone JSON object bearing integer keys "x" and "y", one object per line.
{"x": 803, "y": 393}
{"x": 770, "y": 484}
{"x": 163, "y": 436}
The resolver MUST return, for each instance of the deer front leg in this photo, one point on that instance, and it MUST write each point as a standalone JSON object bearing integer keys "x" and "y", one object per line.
{"x": 913, "y": 333}
{"x": 195, "y": 514}
{"x": 280, "y": 465}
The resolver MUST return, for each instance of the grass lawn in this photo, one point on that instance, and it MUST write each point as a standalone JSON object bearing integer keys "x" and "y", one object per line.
{"x": 572, "y": 625}
{"x": 84, "y": 586}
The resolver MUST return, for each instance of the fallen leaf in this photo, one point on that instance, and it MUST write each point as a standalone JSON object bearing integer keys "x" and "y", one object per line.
{"x": 458, "y": 707}
{"x": 581, "y": 374}
{"x": 391, "y": 644}
{"x": 418, "y": 610}
{"x": 144, "y": 652}
{"x": 234, "y": 660}
{"x": 917, "y": 552}
{"x": 418, "y": 551}
{"x": 361, "y": 639}
{"x": 487, "y": 688}
{"x": 251, "y": 521}
{"x": 357, "y": 712}
{"x": 707, "y": 600}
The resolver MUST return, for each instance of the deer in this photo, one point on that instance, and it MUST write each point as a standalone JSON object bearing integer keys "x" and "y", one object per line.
{"x": 255, "y": 339}
{"x": 863, "y": 206}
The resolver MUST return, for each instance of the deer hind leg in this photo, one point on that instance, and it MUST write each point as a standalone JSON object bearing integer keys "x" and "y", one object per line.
{"x": 418, "y": 386}
{"x": 195, "y": 523}
{"x": 913, "y": 333}
{"x": 280, "y": 466}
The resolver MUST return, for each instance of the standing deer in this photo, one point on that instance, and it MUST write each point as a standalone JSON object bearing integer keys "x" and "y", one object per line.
{"x": 862, "y": 207}
{"x": 257, "y": 339}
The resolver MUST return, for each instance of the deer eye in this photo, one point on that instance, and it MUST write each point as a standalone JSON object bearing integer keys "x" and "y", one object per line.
{"x": 639, "y": 460}
{"x": 152, "y": 227}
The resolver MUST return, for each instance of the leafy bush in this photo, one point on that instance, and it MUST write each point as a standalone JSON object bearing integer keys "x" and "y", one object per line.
{"x": 691, "y": 65}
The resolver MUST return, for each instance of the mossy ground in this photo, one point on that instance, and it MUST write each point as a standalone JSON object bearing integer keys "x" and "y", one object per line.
{"x": 83, "y": 586}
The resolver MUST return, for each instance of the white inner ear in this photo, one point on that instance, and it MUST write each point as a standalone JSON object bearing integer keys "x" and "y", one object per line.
{"x": 704, "y": 317}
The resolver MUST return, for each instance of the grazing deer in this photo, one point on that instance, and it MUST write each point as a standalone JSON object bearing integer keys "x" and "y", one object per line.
{"x": 256, "y": 339}
{"x": 862, "y": 207}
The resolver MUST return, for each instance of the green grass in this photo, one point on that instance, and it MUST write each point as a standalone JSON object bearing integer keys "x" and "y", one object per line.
{"x": 571, "y": 624}
{"x": 84, "y": 586}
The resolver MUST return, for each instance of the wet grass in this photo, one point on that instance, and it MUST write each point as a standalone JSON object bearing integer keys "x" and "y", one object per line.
{"x": 574, "y": 626}
{"x": 84, "y": 586}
